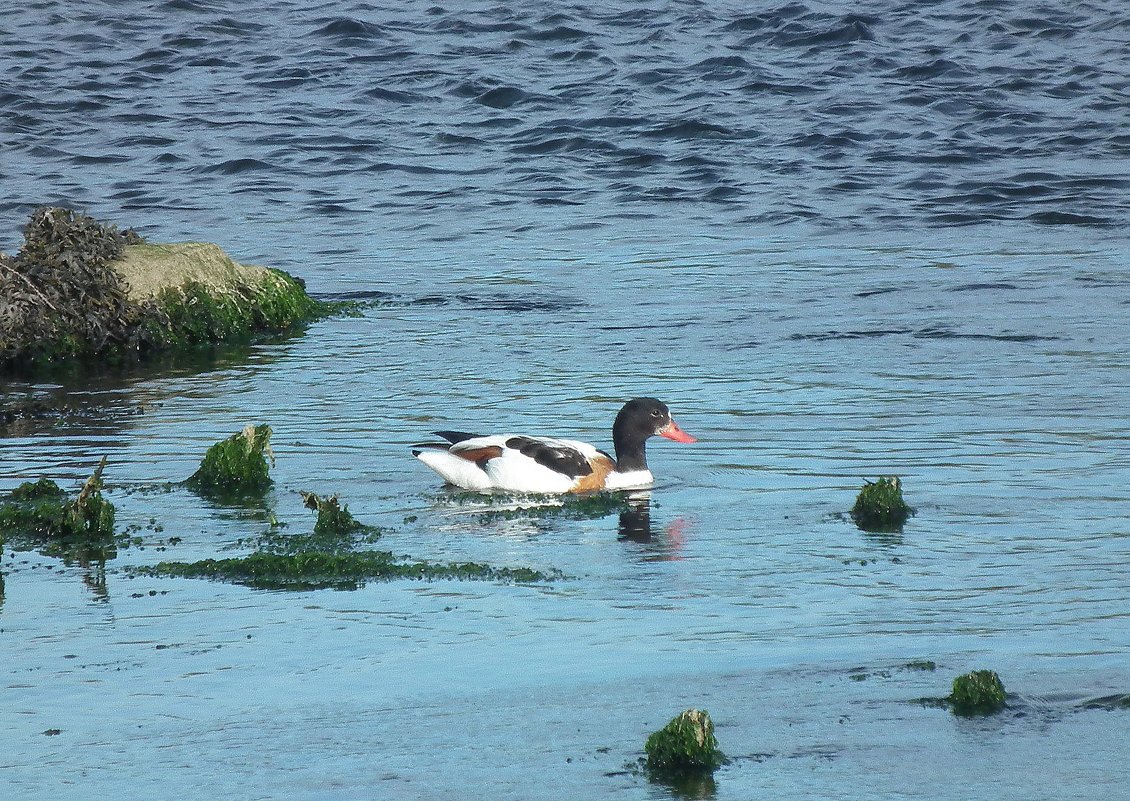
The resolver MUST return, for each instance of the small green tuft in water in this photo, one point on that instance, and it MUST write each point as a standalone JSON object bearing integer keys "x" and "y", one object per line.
{"x": 238, "y": 464}
{"x": 334, "y": 520}
{"x": 979, "y": 692}
{"x": 685, "y": 745}
{"x": 880, "y": 507}
{"x": 921, "y": 664}
{"x": 41, "y": 515}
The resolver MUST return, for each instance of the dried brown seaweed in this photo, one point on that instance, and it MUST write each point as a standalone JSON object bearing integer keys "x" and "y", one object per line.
{"x": 58, "y": 295}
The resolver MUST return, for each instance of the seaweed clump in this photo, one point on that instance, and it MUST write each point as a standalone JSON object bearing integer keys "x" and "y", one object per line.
{"x": 60, "y": 297}
{"x": 314, "y": 570}
{"x": 41, "y": 514}
{"x": 334, "y": 520}
{"x": 880, "y": 506}
{"x": 330, "y": 558}
{"x": 979, "y": 692}
{"x": 239, "y": 464}
{"x": 685, "y": 746}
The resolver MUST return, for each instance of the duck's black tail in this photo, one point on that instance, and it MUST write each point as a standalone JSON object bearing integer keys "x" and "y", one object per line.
{"x": 451, "y": 436}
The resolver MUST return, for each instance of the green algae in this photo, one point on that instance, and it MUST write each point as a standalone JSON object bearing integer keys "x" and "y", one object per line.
{"x": 979, "y": 692}
{"x": 921, "y": 664}
{"x": 43, "y": 516}
{"x": 336, "y": 531}
{"x": 334, "y": 520}
{"x": 195, "y": 314}
{"x": 331, "y": 557}
{"x": 686, "y": 745}
{"x": 880, "y": 506}
{"x": 311, "y": 570}
{"x": 237, "y": 465}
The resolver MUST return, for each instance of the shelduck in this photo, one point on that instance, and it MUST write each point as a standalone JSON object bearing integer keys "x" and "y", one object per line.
{"x": 522, "y": 463}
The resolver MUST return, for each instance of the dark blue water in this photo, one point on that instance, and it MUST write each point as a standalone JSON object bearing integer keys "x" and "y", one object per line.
{"x": 842, "y": 242}
{"x": 190, "y": 116}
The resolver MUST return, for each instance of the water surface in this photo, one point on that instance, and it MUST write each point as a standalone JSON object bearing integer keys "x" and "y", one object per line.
{"x": 839, "y": 245}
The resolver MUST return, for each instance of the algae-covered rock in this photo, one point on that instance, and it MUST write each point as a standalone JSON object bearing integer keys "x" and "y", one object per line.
{"x": 685, "y": 745}
{"x": 979, "y": 692}
{"x": 194, "y": 293}
{"x": 880, "y": 507}
{"x": 238, "y": 464}
{"x": 148, "y": 269}
{"x": 80, "y": 288}
{"x": 41, "y": 515}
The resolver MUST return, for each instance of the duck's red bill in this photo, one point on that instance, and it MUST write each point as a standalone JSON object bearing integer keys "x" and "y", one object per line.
{"x": 672, "y": 431}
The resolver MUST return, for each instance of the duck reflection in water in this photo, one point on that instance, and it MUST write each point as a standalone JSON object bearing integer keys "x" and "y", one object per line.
{"x": 636, "y": 526}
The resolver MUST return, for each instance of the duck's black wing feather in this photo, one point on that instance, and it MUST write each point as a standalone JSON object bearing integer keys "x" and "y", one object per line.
{"x": 561, "y": 458}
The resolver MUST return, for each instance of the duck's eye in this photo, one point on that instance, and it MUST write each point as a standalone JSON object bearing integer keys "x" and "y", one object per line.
{"x": 655, "y": 413}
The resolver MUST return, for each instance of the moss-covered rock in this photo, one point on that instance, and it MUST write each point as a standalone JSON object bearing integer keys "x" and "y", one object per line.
{"x": 238, "y": 465}
{"x": 194, "y": 294}
{"x": 80, "y": 288}
{"x": 686, "y": 745}
{"x": 979, "y": 692}
{"x": 880, "y": 506}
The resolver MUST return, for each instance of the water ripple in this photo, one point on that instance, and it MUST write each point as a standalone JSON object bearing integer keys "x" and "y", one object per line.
{"x": 903, "y": 116}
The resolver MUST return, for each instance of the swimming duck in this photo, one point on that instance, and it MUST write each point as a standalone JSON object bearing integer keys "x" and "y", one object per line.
{"x": 521, "y": 463}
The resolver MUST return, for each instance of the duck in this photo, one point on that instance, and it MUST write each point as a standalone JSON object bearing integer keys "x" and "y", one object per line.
{"x": 519, "y": 463}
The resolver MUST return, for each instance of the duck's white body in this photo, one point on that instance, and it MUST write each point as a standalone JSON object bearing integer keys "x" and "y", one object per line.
{"x": 513, "y": 471}
{"x": 521, "y": 463}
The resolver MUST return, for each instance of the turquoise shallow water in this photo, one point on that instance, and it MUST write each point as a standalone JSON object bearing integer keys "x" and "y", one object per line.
{"x": 984, "y": 376}
{"x": 840, "y": 245}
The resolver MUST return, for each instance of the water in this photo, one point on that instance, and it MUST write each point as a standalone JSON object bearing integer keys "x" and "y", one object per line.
{"x": 840, "y": 245}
